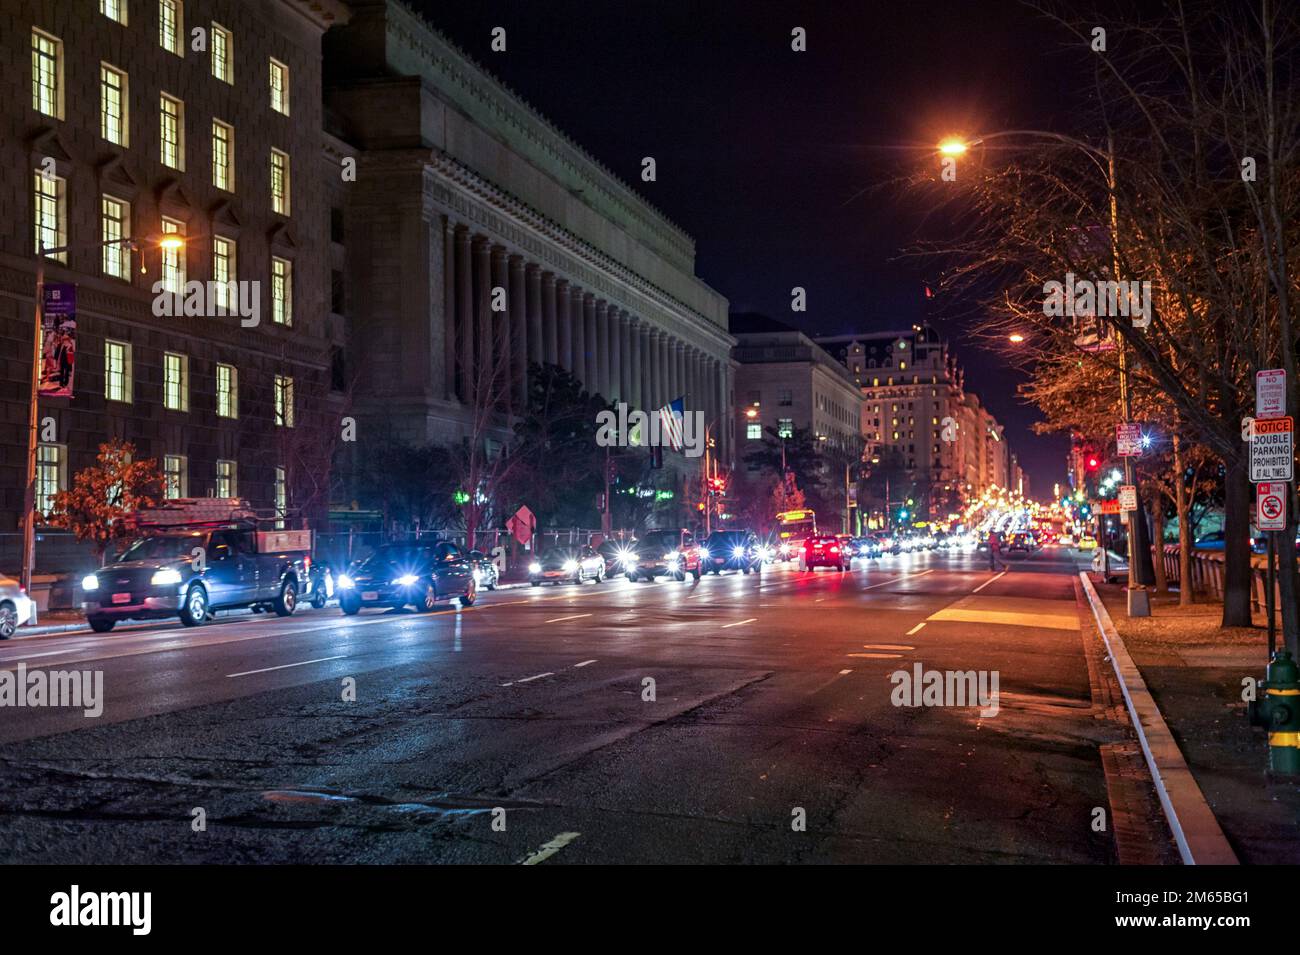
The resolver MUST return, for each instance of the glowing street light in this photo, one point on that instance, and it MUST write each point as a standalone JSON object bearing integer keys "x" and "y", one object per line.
{"x": 953, "y": 147}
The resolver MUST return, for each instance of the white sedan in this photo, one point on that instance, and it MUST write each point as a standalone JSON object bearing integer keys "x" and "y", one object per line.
{"x": 15, "y": 607}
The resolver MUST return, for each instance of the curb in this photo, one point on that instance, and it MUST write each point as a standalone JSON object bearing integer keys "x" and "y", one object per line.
{"x": 1196, "y": 830}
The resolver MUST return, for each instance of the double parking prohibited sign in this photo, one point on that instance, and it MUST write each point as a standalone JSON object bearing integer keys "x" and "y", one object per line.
{"x": 1272, "y": 450}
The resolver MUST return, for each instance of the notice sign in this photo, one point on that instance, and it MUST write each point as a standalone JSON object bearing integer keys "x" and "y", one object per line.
{"x": 58, "y": 339}
{"x": 1270, "y": 506}
{"x": 1270, "y": 393}
{"x": 1128, "y": 497}
{"x": 1128, "y": 439}
{"x": 1272, "y": 451}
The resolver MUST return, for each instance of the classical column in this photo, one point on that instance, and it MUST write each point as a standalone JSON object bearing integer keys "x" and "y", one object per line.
{"x": 519, "y": 333}
{"x": 590, "y": 337}
{"x": 665, "y": 369}
{"x": 550, "y": 311}
{"x": 563, "y": 325}
{"x": 484, "y": 368}
{"x": 579, "y": 325}
{"x": 651, "y": 368}
{"x": 602, "y": 351}
{"x": 632, "y": 373}
{"x": 621, "y": 355}
{"x": 464, "y": 316}
{"x": 533, "y": 308}
{"x": 449, "y": 307}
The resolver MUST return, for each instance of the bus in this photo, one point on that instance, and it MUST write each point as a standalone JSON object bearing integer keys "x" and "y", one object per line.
{"x": 792, "y": 527}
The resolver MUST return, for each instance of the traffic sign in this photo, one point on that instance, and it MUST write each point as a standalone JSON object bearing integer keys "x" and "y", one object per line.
{"x": 1128, "y": 497}
{"x": 1272, "y": 451}
{"x": 1270, "y": 506}
{"x": 1270, "y": 393}
{"x": 521, "y": 524}
{"x": 1108, "y": 507}
{"x": 1128, "y": 439}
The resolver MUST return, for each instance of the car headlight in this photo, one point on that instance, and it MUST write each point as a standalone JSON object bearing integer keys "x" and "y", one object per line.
{"x": 630, "y": 560}
{"x": 406, "y": 580}
{"x": 344, "y": 582}
{"x": 737, "y": 552}
{"x": 163, "y": 577}
{"x": 671, "y": 556}
{"x": 570, "y": 566}
{"x": 704, "y": 553}
{"x": 90, "y": 582}
{"x": 534, "y": 568}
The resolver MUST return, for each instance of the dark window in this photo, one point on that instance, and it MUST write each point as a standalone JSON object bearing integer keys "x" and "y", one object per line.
{"x": 336, "y": 225}
{"x": 338, "y": 370}
{"x": 336, "y": 292}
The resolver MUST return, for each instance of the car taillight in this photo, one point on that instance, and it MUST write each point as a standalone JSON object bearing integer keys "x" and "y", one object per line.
{"x": 835, "y": 550}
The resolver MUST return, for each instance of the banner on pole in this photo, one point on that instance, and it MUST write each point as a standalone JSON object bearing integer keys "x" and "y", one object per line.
{"x": 58, "y": 339}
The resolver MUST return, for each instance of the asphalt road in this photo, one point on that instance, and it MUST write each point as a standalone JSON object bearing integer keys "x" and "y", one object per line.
{"x": 524, "y": 728}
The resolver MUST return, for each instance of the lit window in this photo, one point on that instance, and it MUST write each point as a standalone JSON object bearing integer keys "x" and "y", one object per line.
{"x": 173, "y": 260}
{"x": 176, "y": 382}
{"x": 223, "y": 155}
{"x": 171, "y": 130}
{"x": 227, "y": 391}
{"x": 51, "y": 218}
{"x": 171, "y": 26}
{"x": 223, "y": 51}
{"x": 175, "y": 480}
{"x": 279, "y": 87}
{"x": 47, "y": 74}
{"x": 281, "y": 291}
{"x": 281, "y": 495}
{"x": 117, "y": 371}
{"x": 280, "y": 182}
{"x": 283, "y": 401}
{"x": 227, "y": 482}
{"x": 112, "y": 104}
{"x": 51, "y": 475}
{"x": 115, "y": 10}
{"x": 223, "y": 271}
{"x": 753, "y": 431}
{"x": 115, "y": 229}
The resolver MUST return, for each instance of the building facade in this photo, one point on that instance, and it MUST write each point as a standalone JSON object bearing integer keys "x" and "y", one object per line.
{"x": 122, "y": 121}
{"x": 918, "y": 418}
{"x": 479, "y": 240}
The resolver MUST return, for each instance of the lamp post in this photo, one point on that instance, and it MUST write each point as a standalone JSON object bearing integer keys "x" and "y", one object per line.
{"x": 1138, "y": 599}
{"x": 169, "y": 242}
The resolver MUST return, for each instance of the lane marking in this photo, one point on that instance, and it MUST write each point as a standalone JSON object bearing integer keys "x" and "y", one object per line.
{"x": 915, "y": 629}
{"x": 576, "y": 616}
{"x": 987, "y": 582}
{"x": 898, "y": 578}
{"x": 530, "y": 679}
{"x": 886, "y": 646}
{"x": 738, "y": 623}
{"x": 876, "y": 656}
{"x": 286, "y": 666}
{"x": 843, "y": 672}
{"x": 583, "y": 663}
{"x": 549, "y": 849}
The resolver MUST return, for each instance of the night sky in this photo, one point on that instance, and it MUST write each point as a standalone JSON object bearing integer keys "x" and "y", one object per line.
{"x": 783, "y": 165}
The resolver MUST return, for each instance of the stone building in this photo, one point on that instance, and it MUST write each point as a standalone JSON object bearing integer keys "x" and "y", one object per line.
{"x": 134, "y": 118}
{"x": 465, "y": 197}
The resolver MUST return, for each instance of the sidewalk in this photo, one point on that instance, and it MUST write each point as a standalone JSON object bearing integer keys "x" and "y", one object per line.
{"x": 1194, "y": 671}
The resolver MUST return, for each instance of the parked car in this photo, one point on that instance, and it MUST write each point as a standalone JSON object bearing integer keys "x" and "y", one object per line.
{"x": 192, "y": 570}
{"x": 567, "y": 566}
{"x": 731, "y": 550}
{"x": 615, "y": 552}
{"x": 665, "y": 553}
{"x": 401, "y": 575}
{"x": 485, "y": 570}
{"x": 15, "y": 607}
{"x": 823, "y": 551}
{"x": 321, "y": 577}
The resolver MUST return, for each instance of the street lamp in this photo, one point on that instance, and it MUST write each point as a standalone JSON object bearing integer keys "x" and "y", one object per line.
{"x": 170, "y": 242}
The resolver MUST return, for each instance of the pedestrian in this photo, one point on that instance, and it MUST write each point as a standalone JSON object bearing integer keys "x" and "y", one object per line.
{"x": 995, "y": 545}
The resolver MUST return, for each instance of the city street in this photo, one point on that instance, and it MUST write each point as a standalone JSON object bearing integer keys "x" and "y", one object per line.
{"x": 770, "y": 695}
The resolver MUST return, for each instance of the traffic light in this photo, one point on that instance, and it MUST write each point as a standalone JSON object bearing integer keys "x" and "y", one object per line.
{"x": 1092, "y": 462}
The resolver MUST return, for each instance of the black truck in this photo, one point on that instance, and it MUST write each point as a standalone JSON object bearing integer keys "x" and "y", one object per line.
{"x": 197, "y": 556}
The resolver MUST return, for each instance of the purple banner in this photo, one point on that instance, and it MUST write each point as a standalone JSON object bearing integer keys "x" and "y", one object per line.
{"x": 58, "y": 339}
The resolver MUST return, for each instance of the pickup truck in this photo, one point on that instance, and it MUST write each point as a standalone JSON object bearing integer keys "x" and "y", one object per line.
{"x": 192, "y": 572}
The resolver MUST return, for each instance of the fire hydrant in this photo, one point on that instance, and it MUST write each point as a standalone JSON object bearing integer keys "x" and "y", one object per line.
{"x": 1279, "y": 713}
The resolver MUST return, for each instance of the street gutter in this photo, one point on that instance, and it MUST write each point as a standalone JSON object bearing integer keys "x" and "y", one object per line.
{"x": 1196, "y": 831}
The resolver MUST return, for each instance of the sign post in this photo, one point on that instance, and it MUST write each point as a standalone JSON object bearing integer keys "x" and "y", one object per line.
{"x": 1128, "y": 440}
{"x": 1270, "y": 517}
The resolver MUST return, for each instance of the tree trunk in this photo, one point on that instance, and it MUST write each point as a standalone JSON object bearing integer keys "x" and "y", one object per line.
{"x": 1158, "y": 542}
{"x": 1236, "y": 543}
{"x": 1289, "y": 591}
{"x": 1183, "y": 503}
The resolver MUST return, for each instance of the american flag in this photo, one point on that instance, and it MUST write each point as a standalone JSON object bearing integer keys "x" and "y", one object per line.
{"x": 670, "y": 422}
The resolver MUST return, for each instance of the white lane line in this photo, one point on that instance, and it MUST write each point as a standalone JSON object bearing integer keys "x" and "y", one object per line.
{"x": 576, "y": 616}
{"x": 987, "y": 582}
{"x": 876, "y": 656}
{"x": 286, "y": 666}
{"x": 549, "y": 849}
{"x": 738, "y": 623}
{"x": 819, "y": 600}
{"x": 583, "y": 663}
{"x": 898, "y": 578}
{"x": 530, "y": 679}
{"x": 915, "y": 629}
{"x": 886, "y": 646}
{"x": 843, "y": 672}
